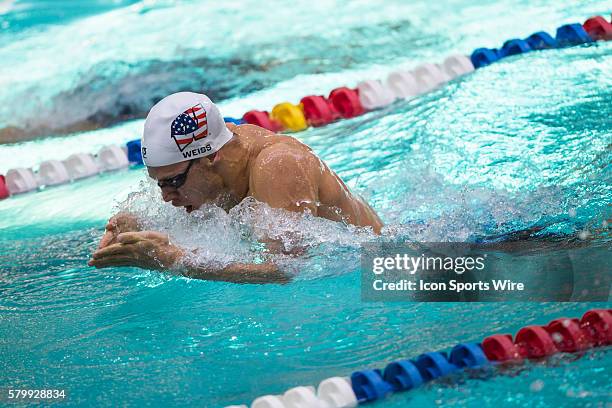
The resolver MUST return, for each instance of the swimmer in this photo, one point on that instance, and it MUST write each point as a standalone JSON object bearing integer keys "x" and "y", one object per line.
{"x": 196, "y": 158}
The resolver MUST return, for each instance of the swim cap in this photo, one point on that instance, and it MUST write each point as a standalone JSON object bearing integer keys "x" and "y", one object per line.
{"x": 182, "y": 126}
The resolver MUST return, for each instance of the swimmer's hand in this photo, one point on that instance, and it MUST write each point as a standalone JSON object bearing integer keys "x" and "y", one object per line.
{"x": 143, "y": 249}
{"x": 121, "y": 222}
{"x": 153, "y": 250}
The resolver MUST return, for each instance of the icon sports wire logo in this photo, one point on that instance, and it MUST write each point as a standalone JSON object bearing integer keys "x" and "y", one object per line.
{"x": 189, "y": 126}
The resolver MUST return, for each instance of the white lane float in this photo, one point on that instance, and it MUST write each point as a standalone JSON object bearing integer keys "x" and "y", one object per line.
{"x": 268, "y": 401}
{"x": 303, "y": 397}
{"x": 112, "y": 157}
{"x": 334, "y": 392}
{"x": 52, "y": 172}
{"x": 457, "y": 65}
{"x": 81, "y": 165}
{"x": 374, "y": 94}
{"x": 337, "y": 392}
{"x": 403, "y": 84}
{"x": 428, "y": 77}
{"x": 20, "y": 180}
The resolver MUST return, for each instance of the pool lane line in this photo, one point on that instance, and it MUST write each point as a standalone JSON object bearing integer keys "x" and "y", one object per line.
{"x": 562, "y": 335}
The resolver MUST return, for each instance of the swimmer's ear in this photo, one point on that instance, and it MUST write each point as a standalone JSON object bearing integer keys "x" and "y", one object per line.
{"x": 214, "y": 158}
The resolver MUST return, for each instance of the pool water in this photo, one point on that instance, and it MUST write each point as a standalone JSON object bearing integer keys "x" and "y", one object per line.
{"x": 525, "y": 142}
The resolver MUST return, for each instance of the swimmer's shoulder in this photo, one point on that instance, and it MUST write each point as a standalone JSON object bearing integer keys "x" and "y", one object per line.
{"x": 287, "y": 161}
{"x": 250, "y": 131}
{"x": 286, "y": 150}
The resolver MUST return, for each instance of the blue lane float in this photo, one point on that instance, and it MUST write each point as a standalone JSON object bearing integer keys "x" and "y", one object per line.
{"x": 541, "y": 41}
{"x": 481, "y": 57}
{"x": 572, "y": 34}
{"x": 235, "y": 121}
{"x": 134, "y": 151}
{"x": 468, "y": 355}
{"x": 403, "y": 375}
{"x": 514, "y": 47}
{"x": 434, "y": 364}
{"x": 369, "y": 385}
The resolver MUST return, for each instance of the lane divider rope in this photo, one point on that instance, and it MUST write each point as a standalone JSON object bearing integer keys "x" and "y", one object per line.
{"x": 564, "y": 335}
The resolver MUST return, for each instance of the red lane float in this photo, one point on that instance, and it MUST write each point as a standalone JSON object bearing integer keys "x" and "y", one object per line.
{"x": 262, "y": 119}
{"x": 598, "y": 28}
{"x": 568, "y": 336}
{"x": 560, "y": 335}
{"x": 346, "y": 102}
{"x": 318, "y": 110}
{"x": 534, "y": 342}
{"x": 598, "y": 324}
{"x": 4, "y": 191}
{"x": 500, "y": 347}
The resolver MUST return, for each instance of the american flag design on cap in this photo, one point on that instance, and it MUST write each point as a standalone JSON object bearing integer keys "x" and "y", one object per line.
{"x": 189, "y": 126}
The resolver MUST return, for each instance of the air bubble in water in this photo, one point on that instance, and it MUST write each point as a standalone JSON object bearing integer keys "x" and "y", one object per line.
{"x": 536, "y": 386}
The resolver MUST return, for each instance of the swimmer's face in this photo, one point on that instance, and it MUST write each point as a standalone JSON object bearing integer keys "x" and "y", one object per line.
{"x": 198, "y": 183}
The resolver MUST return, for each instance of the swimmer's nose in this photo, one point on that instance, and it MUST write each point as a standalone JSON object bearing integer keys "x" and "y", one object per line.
{"x": 166, "y": 195}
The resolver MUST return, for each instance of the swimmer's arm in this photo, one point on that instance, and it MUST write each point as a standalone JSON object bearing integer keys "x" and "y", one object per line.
{"x": 285, "y": 179}
{"x": 237, "y": 273}
{"x": 153, "y": 250}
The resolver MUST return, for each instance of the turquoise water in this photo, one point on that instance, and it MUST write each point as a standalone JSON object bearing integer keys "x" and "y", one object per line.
{"x": 523, "y": 143}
